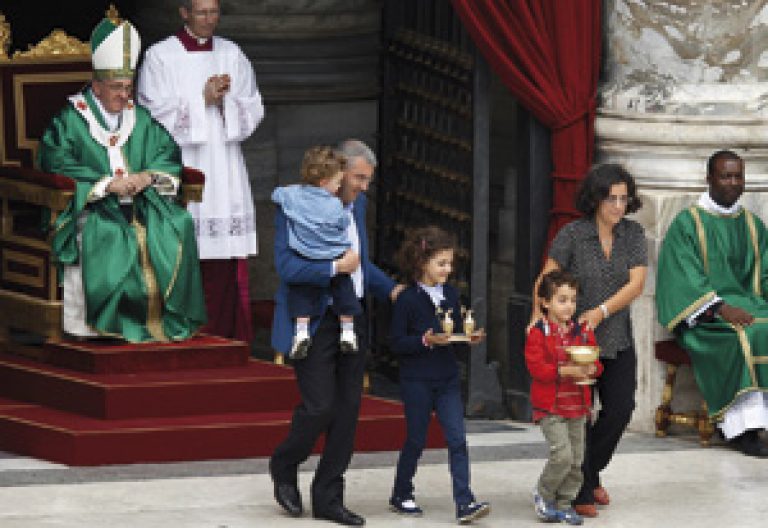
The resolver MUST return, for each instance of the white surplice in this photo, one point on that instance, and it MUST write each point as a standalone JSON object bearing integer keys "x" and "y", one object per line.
{"x": 171, "y": 86}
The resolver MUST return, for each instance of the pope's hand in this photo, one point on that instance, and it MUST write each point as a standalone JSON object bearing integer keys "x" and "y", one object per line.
{"x": 140, "y": 181}
{"x": 121, "y": 187}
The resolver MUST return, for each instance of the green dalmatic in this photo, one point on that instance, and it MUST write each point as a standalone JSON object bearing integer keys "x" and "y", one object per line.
{"x": 707, "y": 255}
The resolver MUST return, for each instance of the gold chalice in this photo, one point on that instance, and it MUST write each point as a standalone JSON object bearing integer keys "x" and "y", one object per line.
{"x": 583, "y": 355}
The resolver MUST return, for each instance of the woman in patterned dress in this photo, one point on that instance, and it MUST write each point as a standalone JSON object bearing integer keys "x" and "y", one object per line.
{"x": 607, "y": 253}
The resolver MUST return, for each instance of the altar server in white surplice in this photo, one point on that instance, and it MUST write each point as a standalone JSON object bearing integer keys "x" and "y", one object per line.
{"x": 203, "y": 90}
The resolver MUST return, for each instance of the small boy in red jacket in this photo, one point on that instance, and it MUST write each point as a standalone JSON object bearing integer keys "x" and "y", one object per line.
{"x": 560, "y": 396}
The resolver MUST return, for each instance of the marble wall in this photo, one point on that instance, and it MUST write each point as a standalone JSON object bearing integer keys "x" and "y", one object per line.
{"x": 682, "y": 78}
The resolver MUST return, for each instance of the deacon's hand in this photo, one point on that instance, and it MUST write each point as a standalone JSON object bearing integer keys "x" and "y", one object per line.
{"x": 214, "y": 90}
{"x": 224, "y": 83}
{"x": 735, "y": 315}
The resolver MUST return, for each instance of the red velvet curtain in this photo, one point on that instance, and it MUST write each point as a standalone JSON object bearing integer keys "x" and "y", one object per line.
{"x": 547, "y": 52}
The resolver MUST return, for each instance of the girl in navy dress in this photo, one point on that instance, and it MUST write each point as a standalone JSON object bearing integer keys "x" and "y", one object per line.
{"x": 429, "y": 373}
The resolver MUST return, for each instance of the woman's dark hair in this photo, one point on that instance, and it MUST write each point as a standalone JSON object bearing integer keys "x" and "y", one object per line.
{"x": 597, "y": 186}
{"x": 552, "y": 281}
{"x": 419, "y": 246}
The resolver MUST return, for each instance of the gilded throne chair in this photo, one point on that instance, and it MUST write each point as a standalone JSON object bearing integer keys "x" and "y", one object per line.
{"x": 34, "y": 86}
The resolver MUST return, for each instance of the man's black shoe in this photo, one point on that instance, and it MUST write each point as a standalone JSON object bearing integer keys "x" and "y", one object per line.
{"x": 750, "y": 444}
{"x": 341, "y": 515}
{"x": 288, "y": 497}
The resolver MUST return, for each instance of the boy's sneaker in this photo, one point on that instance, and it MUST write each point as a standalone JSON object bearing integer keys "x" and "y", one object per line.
{"x": 545, "y": 511}
{"x": 474, "y": 510}
{"x": 569, "y": 516}
{"x": 301, "y": 343}
{"x": 405, "y": 506}
{"x": 348, "y": 342}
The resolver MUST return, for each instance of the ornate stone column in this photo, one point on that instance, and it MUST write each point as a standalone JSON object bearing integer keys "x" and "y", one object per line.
{"x": 683, "y": 78}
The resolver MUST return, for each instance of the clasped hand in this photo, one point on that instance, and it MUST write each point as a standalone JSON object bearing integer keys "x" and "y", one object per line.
{"x": 130, "y": 185}
{"x": 216, "y": 87}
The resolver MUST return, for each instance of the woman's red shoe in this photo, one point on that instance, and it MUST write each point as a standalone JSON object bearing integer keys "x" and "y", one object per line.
{"x": 601, "y": 496}
{"x": 586, "y": 510}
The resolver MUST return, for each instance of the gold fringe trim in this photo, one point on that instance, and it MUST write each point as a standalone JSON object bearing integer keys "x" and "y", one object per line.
{"x": 755, "y": 247}
{"x": 718, "y": 416}
{"x": 702, "y": 237}
{"x": 154, "y": 304}
{"x": 746, "y": 349}
{"x": 172, "y": 283}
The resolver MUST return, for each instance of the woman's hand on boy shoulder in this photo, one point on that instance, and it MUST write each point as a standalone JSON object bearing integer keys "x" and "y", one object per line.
{"x": 592, "y": 318}
{"x": 536, "y": 316}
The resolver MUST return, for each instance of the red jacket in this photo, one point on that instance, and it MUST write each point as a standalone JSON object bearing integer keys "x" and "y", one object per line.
{"x": 544, "y": 351}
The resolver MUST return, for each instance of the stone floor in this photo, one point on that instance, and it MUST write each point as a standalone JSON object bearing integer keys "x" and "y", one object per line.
{"x": 653, "y": 482}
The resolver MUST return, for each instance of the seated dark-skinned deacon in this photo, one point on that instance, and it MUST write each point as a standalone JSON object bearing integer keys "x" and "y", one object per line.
{"x": 126, "y": 248}
{"x": 712, "y": 291}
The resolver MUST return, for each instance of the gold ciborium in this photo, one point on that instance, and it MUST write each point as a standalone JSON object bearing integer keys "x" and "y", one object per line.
{"x": 583, "y": 355}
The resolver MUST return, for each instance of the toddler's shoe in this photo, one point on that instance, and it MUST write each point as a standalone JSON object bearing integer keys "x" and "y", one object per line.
{"x": 405, "y": 506}
{"x": 545, "y": 511}
{"x": 569, "y": 516}
{"x": 467, "y": 513}
{"x": 301, "y": 344}
{"x": 348, "y": 342}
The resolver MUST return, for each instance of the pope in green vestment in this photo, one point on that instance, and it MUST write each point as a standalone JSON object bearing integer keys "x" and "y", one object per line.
{"x": 711, "y": 292}
{"x": 135, "y": 245}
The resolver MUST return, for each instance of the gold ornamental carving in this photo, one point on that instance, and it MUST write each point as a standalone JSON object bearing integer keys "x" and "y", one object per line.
{"x": 57, "y": 44}
{"x": 113, "y": 15}
{"x": 5, "y": 37}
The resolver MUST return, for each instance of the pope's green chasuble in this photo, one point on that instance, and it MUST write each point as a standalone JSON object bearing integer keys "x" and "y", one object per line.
{"x": 707, "y": 255}
{"x": 141, "y": 275}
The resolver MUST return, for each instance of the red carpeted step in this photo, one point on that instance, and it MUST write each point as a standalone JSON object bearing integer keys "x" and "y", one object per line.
{"x": 109, "y": 357}
{"x": 77, "y": 440}
{"x": 257, "y": 386}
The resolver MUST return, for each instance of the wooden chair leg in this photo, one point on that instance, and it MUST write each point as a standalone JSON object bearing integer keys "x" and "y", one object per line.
{"x": 664, "y": 411}
{"x": 55, "y": 335}
{"x": 704, "y": 425}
